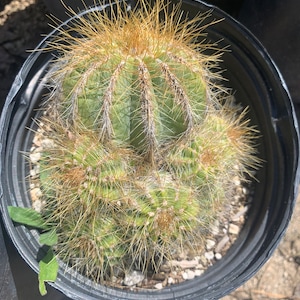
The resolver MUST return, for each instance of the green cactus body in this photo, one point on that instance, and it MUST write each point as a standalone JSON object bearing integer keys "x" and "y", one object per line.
{"x": 137, "y": 102}
{"x": 166, "y": 214}
{"x": 142, "y": 154}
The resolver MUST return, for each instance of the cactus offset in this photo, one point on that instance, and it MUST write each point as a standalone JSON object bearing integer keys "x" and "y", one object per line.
{"x": 142, "y": 149}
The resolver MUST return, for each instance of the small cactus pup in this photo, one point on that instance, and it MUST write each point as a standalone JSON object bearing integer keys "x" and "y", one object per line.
{"x": 143, "y": 144}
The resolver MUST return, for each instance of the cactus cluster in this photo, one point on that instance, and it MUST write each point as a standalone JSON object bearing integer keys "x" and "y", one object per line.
{"x": 144, "y": 145}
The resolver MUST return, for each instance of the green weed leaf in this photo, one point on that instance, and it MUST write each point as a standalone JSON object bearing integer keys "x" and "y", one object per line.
{"x": 26, "y": 216}
{"x": 48, "y": 271}
{"x": 48, "y": 238}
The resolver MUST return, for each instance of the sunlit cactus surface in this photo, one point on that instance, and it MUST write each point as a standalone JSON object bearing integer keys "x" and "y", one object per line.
{"x": 145, "y": 141}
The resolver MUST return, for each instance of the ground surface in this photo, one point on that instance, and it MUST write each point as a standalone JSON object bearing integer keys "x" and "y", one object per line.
{"x": 22, "y": 23}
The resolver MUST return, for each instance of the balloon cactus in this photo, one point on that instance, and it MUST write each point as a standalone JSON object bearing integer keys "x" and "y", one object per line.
{"x": 144, "y": 139}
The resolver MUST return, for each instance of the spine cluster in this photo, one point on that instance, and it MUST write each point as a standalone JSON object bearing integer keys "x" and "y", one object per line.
{"x": 143, "y": 149}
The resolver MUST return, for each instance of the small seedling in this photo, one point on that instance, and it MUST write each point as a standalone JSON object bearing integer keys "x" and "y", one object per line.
{"x": 48, "y": 265}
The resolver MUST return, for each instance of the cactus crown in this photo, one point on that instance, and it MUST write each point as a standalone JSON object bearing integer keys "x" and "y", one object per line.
{"x": 124, "y": 77}
{"x": 142, "y": 150}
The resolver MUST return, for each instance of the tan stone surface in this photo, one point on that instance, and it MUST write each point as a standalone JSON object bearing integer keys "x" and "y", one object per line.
{"x": 279, "y": 278}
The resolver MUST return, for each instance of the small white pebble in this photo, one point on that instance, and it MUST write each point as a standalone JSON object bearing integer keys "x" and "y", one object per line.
{"x": 158, "y": 286}
{"x": 37, "y": 206}
{"x": 214, "y": 230}
{"x": 37, "y": 140}
{"x": 171, "y": 280}
{"x": 218, "y": 256}
{"x": 198, "y": 272}
{"x": 190, "y": 274}
{"x": 32, "y": 172}
{"x": 48, "y": 144}
{"x": 35, "y": 157}
{"x": 210, "y": 244}
{"x": 133, "y": 278}
{"x": 184, "y": 275}
{"x": 35, "y": 194}
{"x": 209, "y": 255}
{"x": 233, "y": 229}
{"x": 37, "y": 169}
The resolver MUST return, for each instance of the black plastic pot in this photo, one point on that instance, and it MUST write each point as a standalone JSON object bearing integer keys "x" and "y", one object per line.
{"x": 257, "y": 84}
